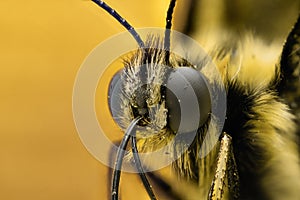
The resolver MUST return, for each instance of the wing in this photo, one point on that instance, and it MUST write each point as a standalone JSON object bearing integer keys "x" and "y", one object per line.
{"x": 289, "y": 80}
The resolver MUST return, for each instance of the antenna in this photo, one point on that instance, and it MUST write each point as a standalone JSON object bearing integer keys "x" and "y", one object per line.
{"x": 168, "y": 28}
{"x": 122, "y": 21}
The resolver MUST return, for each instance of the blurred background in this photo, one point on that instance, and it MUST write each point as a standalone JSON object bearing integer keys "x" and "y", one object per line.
{"x": 42, "y": 45}
{"x": 269, "y": 19}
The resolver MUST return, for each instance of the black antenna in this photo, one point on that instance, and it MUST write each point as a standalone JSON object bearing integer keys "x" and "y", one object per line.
{"x": 168, "y": 28}
{"x": 130, "y": 133}
{"x": 122, "y": 21}
{"x": 119, "y": 161}
{"x": 140, "y": 169}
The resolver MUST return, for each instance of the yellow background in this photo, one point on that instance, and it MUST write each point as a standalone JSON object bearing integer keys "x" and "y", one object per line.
{"x": 42, "y": 45}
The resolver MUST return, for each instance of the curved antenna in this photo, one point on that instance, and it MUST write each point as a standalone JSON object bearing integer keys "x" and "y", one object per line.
{"x": 130, "y": 133}
{"x": 168, "y": 27}
{"x": 119, "y": 160}
{"x": 139, "y": 167}
{"x": 122, "y": 21}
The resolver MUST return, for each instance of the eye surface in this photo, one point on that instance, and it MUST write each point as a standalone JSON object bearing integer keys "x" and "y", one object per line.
{"x": 181, "y": 85}
{"x": 114, "y": 93}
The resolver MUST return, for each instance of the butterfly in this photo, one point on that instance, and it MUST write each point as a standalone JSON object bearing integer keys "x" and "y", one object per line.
{"x": 228, "y": 119}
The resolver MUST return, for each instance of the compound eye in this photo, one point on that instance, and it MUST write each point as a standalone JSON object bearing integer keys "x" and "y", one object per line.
{"x": 114, "y": 93}
{"x": 187, "y": 100}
